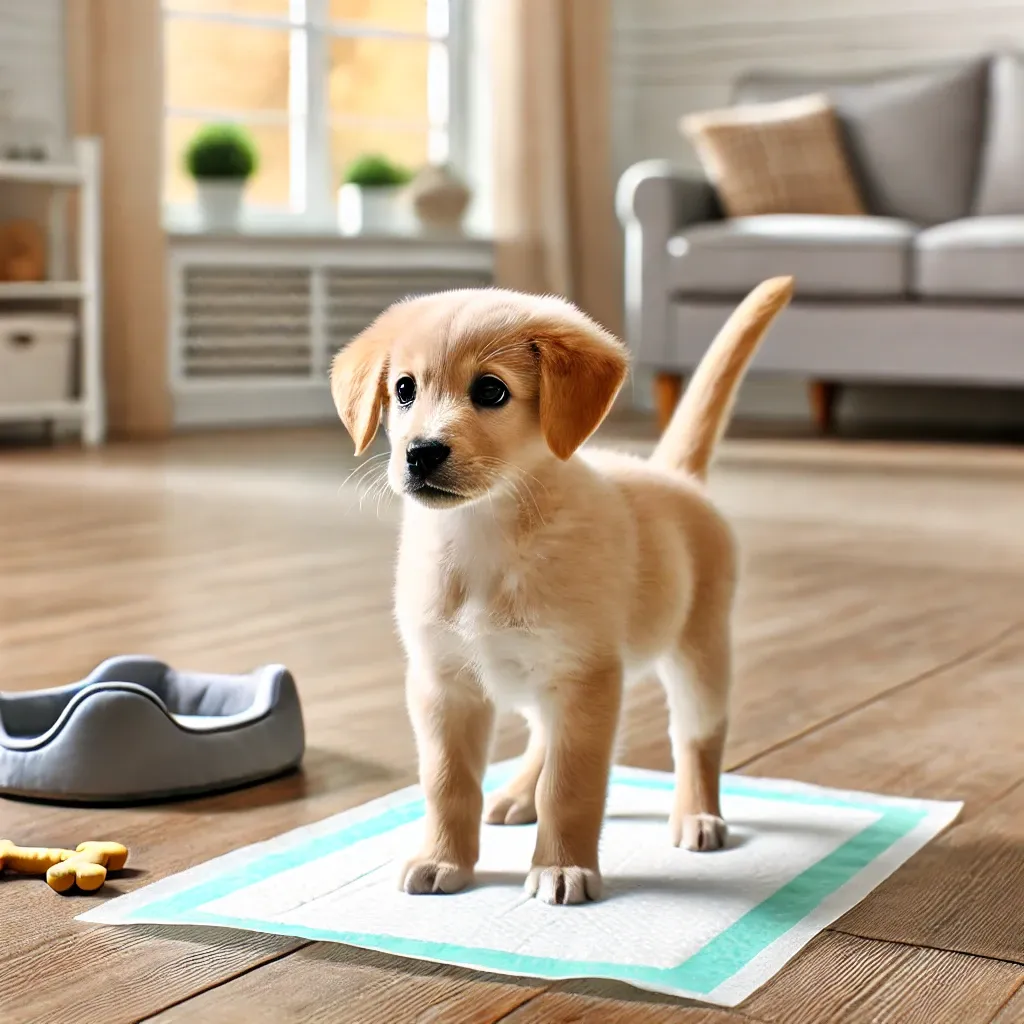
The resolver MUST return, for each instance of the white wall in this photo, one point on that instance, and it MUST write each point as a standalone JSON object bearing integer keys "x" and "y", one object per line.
{"x": 32, "y": 68}
{"x": 673, "y": 57}
{"x": 32, "y": 93}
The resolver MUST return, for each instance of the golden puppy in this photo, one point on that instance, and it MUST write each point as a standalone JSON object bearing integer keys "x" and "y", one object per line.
{"x": 532, "y": 576}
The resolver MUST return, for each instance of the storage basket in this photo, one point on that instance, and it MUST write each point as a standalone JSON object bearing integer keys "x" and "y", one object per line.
{"x": 36, "y": 357}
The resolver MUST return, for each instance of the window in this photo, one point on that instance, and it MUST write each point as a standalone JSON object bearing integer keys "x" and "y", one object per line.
{"x": 316, "y": 82}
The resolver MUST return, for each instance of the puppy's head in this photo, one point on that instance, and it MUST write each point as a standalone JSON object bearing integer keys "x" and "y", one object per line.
{"x": 476, "y": 387}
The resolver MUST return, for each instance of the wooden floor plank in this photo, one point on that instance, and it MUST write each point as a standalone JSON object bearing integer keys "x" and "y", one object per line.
{"x": 1013, "y": 1010}
{"x": 953, "y": 735}
{"x": 339, "y": 985}
{"x": 857, "y": 981}
{"x": 862, "y": 571}
{"x": 592, "y": 1003}
{"x": 964, "y": 891}
{"x": 784, "y": 689}
{"x": 123, "y": 974}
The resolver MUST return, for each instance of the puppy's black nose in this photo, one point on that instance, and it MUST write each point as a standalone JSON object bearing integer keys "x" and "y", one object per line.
{"x": 423, "y": 457}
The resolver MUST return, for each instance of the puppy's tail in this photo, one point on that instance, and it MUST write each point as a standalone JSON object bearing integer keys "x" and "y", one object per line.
{"x": 702, "y": 415}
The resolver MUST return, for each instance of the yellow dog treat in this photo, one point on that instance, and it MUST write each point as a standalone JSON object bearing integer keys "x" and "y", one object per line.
{"x": 29, "y": 860}
{"x": 87, "y": 867}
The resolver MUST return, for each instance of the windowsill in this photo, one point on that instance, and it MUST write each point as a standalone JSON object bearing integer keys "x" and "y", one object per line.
{"x": 300, "y": 233}
{"x": 183, "y": 223}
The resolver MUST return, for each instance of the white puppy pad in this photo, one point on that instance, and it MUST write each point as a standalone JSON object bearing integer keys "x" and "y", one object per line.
{"x": 709, "y": 926}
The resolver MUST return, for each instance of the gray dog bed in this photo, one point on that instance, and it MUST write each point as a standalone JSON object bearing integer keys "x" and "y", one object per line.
{"x": 134, "y": 729}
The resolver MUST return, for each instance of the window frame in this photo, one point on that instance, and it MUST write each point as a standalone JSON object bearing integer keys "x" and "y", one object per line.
{"x": 309, "y": 119}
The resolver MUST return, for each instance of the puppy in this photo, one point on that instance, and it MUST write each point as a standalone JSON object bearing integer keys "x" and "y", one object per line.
{"x": 534, "y": 576}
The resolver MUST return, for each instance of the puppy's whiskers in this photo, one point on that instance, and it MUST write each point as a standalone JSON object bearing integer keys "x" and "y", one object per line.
{"x": 387, "y": 495}
{"x": 373, "y": 483}
{"x": 370, "y": 477}
{"x": 363, "y": 467}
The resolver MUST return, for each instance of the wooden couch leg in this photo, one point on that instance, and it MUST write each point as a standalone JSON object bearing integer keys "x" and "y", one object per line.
{"x": 668, "y": 388}
{"x": 823, "y": 395}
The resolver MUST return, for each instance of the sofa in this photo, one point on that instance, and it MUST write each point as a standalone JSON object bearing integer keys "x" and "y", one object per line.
{"x": 927, "y": 286}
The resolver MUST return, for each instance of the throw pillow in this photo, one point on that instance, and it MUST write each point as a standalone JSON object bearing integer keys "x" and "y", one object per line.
{"x": 913, "y": 136}
{"x": 782, "y": 157}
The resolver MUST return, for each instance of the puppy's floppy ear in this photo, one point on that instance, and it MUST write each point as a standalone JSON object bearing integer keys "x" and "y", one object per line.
{"x": 582, "y": 367}
{"x": 359, "y": 385}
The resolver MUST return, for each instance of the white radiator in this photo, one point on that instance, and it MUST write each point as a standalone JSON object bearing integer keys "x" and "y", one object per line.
{"x": 254, "y": 325}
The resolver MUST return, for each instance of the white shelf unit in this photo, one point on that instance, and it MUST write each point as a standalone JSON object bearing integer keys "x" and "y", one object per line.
{"x": 40, "y": 291}
{"x": 256, "y": 322}
{"x": 41, "y": 173}
{"x": 86, "y": 410}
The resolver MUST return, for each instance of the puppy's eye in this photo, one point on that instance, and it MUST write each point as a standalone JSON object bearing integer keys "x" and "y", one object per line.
{"x": 405, "y": 390}
{"x": 489, "y": 392}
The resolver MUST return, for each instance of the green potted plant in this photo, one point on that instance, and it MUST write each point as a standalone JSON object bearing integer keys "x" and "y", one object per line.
{"x": 221, "y": 158}
{"x": 369, "y": 199}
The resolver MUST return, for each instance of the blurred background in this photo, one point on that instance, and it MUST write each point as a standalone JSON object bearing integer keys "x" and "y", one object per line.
{"x": 269, "y": 174}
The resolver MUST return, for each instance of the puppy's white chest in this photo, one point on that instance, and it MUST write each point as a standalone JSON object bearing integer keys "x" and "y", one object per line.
{"x": 495, "y": 602}
{"x": 477, "y": 604}
{"x": 496, "y": 630}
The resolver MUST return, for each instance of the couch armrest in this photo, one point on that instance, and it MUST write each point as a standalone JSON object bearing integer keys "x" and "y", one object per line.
{"x": 662, "y": 198}
{"x": 654, "y": 201}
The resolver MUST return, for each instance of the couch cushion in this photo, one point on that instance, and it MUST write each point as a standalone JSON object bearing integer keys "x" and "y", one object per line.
{"x": 914, "y": 138}
{"x": 784, "y": 157}
{"x": 976, "y": 258}
{"x": 830, "y": 256}
{"x": 1001, "y": 177}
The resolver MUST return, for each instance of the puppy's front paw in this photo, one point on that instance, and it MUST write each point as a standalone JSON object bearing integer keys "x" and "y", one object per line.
{"x": 511, "y": 807}
{"x": 556, "y": 885}
{"x": 699, "y": 832}
{"x": 424, "y": 876}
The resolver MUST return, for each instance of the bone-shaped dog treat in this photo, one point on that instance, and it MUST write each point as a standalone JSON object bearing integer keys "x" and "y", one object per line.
{"x": 87, "y": 866}
{"x": 29, "y": 860}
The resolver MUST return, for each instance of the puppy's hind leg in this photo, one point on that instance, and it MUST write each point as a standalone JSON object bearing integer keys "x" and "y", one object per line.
{"x": 516, "y": 802}
{"x": 696, "y": 681}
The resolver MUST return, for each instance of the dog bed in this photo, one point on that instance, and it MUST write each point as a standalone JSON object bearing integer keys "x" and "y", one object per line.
{"x": 135, "y": 729}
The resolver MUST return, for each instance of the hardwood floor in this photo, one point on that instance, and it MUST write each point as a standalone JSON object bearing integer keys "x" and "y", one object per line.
{"x": 880, "y": 645}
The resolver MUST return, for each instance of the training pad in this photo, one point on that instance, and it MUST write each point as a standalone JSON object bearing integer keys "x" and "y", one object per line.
{"x": 710, "y": 926}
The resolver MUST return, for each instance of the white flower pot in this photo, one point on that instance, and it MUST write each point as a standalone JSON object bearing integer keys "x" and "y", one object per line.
{"x": 220, "y": 204}
{"x": 373, "y": 211}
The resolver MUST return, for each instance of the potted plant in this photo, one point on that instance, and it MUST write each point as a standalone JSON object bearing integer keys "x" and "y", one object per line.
{"x": 369, "y": 199}
{"x": 221, "y": 158}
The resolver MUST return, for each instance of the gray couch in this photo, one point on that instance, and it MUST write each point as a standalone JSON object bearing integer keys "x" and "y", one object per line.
{"x": 929, "y": 287}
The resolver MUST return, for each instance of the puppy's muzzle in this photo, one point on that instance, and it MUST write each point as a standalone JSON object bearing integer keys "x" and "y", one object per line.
{"x": 423, "y": 458}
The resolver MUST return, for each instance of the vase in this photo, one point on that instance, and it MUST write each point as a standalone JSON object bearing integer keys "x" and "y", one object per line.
{"x": 440, "y": 200}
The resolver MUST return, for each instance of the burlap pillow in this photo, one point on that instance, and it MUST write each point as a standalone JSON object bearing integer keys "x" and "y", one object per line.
{"x": 782, "y": 157}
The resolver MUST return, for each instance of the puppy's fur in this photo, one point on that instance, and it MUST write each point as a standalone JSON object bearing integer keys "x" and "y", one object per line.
{"x": 534, "y": 576}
